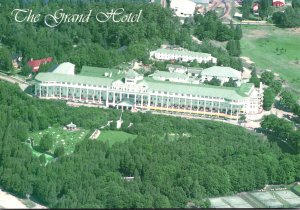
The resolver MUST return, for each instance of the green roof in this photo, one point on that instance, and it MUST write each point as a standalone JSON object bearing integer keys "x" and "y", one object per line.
{"x": 183, "y": 52}
{"x": 167, "y": 75}
{"x": 180, "y": 88}
{"x": 131, "y": 74}
{"x": 202, "y": 90}
{"x": 221, "y": 71}
{"x": 175, "y": 66}
{"x": 245, "y": 88}
{"x": 99, "y": 72}
{"x": 51, "y": 77}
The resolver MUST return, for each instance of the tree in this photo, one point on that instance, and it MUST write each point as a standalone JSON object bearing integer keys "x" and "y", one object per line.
{"x": 5, "y": 59}
{"x": 238, "y": 34}
{"x": 246, "y": 8}
{"x": 267, "y": 77}
{"x": 296, "y": 4}
{"x": 214, "y": 81}
{"x": 288, "y": 99}
{"x": 255, "y": 80}
{"x": 230, "y": 83}
{"x": 46, "y": 142}
{"x": 264, "y": 6}
{"x": 59, "y": 151}
{"x": 269, "y": 99}
{"x": 277, "y": 86}
{"x": 234, "y": 48}
{"x": 26, "y": 70}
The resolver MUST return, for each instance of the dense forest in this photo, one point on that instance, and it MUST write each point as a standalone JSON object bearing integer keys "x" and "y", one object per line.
{"x": 212, "y": 159}
{"x": 109, "y": 44}
{"x": 290, "y": 17}
{"x": 95, "y": 44}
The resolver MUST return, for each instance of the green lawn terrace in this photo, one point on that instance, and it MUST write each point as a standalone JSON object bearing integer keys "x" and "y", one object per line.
{"x": 113, "y": 137}
{"x": 296, "y": 189}
{"x": 65, "y": 138}
{"x": 274, "y": 48}
{"x": 68, "y": 139}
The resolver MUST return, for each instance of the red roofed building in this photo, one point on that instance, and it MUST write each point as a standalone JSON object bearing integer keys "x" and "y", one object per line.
{"x": 35, "y": 64}
{"x": 255, "y": 7}
{"x": 278, "y": 3}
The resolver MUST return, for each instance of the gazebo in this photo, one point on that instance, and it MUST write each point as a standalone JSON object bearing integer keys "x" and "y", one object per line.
{"x": 71, "y": 126}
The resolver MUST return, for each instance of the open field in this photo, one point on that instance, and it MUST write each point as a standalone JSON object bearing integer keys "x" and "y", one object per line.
{"x": 274, "y": 48}
{"x": 113, "y": 137}
{"x": 68, "y": 139}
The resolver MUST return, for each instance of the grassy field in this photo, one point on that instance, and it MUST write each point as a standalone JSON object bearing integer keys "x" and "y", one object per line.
{"x": 113, "y": 137}
{"x": 62, "y": 137}
{"x": 275, "y": 49}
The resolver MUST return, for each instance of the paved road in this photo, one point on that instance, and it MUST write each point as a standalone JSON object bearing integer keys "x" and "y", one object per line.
{"x": 23, "y": 85}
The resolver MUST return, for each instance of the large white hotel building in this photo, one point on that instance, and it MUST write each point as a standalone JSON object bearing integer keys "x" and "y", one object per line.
{"x": 129, "y": 90}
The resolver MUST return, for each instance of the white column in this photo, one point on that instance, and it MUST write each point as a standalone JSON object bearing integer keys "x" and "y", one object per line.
{"x": 204, "y": 107}
{"x": 100, "y": 98}
{"x": 156, "y": 101}
{"x": 168, "y": 98}
{"x": 60, "y": 92}
{"x": 79, "y": 94}
{"x": 73, "y": 93}
{"x": 67, "y": 93}
{"x": 114, "y": 99}
{"x": 94, "y": 93}
{"x": 142, "y": 101}
{"x": 198, "y": 105}
{"x": 107, "y": 93}
{"x": 40, "y": 90}
{"x": 135, "y": 99}
{"x": 231, "y": 111}
{"x": 149, "y": 99}
{"x": 47, "y": 91}
{"x": 219, "y": 108}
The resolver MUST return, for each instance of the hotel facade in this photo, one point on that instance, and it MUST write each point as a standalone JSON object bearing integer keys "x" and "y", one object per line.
{"x": 129, "y": 90}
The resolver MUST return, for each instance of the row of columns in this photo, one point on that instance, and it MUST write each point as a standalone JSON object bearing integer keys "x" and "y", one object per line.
{"x": 116, "y": 99}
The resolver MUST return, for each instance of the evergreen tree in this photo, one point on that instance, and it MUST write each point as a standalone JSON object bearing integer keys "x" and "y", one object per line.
{"x": 46, "y": 142}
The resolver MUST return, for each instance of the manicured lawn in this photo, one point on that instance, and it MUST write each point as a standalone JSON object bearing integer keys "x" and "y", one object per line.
{"x": 260, "y": 44}
{"x": 113, "y": 137}
{"x": 62, "y": 137}
{"x": 37, "y": 154}
{"x": 297, "y": 189}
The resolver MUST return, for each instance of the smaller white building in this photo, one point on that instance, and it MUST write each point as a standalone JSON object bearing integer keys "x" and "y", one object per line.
{"x": 183, "y": 8}
{"x": 182, "y": 55}
{"x": 222, "y": 73}
{"x": 171, "y": 77}
{"x": 66, "y": 68}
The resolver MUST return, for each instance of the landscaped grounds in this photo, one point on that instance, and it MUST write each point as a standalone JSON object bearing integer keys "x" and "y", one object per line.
{"x": 66, "y": 138}
{"x": 274, "y": 48}
{"x": 113, "y": 137}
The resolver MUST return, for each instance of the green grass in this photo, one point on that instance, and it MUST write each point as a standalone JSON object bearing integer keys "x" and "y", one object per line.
{"x": 113, "y": 137}
{"x": 260, "y": 43}
{"x": 68, "y": 139}
{"x": 296, "y": 189}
